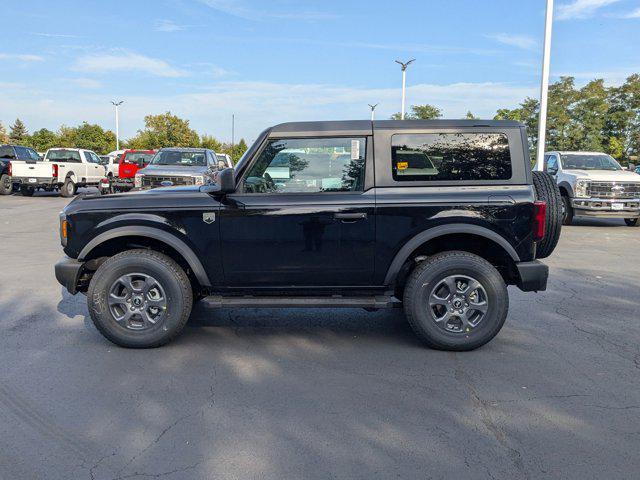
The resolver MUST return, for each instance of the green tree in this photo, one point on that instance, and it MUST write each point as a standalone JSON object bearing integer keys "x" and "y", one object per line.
{"x": 4, "y": 138}
{"x": 94, "y": 137}
{"x": 44, "y": 139}
{"x": 470, "y": 116}
{"x": 18, "y": 133}
{"x": 210, "y": 142}
{"x": 165, "y": 130}
{"x": 527, "y": 113}
{"x": 420, "y": 112}
{"x": 562, "y": 95}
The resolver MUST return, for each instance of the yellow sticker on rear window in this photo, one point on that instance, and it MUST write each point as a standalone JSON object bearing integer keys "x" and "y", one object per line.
{"x": 402, "y": 165}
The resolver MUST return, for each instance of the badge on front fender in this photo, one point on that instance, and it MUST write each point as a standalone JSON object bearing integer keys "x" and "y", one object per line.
{"x": 209, "y": 217}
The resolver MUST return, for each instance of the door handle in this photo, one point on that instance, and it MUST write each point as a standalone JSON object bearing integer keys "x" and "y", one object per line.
{"x": 350, "y": 216}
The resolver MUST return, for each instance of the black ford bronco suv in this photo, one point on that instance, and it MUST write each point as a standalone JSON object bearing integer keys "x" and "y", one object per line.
{"x": 436, "y": 217}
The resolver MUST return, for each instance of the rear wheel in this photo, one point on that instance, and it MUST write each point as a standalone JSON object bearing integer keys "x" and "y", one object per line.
{"x": 547, "y": 191}
{"x": 6, "y": 187}
{"x": 631, "y": 222}
{"x": 456, "y": 301}
{"x": 27, "y": 191}
{"x": 68, "y": 188}
{"x": 140, "y": 299}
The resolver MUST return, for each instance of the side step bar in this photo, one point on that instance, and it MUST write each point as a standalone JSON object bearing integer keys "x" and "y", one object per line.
{"x": 381, "y": 301}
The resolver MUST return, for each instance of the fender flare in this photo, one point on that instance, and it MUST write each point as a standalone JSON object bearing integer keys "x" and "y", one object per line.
{"x": 567, "y": 186}
{"x": 440, "y": 231}
{"x": 161, "y": 235}
{"x": 72, "y": 176}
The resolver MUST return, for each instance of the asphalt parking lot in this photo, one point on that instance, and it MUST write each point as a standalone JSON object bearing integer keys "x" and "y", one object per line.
{"x": 270, "y": 394}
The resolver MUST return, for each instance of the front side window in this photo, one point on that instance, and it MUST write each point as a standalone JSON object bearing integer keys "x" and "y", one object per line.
{"x": 178, "y": 158}
{"x": 72, "y": 156}
{"x": 450, "y": 156}
{"x": 308, "y": 165}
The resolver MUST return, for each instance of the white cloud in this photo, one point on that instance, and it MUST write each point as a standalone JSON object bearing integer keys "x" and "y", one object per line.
{"x": 633, "y": 14}
{"x": 521, "y": 41}
{"x": 87, "y": 82}
{"x": 54, "y": 35}
{"x": 579, "y": 9}
{"x": 128, "y": 61}
{"x": 258, "y": 105}
{"x": 21, "y": 57}
{"x": 611, "y": 77}
{"x": 168, "y": 26}
{"x": 242, "y": 9}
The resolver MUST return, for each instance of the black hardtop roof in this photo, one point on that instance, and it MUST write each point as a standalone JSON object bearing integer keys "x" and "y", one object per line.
{"x": 367, "y": 125}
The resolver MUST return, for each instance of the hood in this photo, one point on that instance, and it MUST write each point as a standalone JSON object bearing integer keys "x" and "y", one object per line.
{"x": 605, "y": 175}
{"x": 173, "y": 170}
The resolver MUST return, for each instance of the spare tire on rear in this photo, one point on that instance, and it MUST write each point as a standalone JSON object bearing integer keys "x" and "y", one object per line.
{"x": 547, "y": 191}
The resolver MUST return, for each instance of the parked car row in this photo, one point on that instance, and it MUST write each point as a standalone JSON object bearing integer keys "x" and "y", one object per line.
{"x": 66, "y": 169}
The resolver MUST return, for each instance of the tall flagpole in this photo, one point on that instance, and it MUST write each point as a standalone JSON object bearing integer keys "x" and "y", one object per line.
{"x": 544, "y": 87}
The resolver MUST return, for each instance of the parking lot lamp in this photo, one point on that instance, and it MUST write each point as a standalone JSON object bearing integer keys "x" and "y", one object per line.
{"x": 116, "y": 105}
{"x": 544, "y": 86}
{"x": 373, "y": 110}
{"x": 404, "y": 66}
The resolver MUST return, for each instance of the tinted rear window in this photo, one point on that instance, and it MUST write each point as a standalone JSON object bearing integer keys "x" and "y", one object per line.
{"x": 450, "y": 156}
{"x": 64, "y": 156}
{"x": 7, "y": 152}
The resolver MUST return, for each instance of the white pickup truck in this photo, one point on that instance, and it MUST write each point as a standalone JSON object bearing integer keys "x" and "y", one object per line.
{"x": 593, "y": 184}
{"x": 61, "y": 169}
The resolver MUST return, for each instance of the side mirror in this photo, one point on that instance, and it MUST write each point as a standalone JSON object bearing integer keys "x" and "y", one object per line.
{"x": 552, "y": 170}
{"x": 223, "y": 182}
{"x": 632, "y": 167}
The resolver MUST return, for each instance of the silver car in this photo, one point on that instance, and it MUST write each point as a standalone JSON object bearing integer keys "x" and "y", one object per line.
{"x": 179, "y": 166}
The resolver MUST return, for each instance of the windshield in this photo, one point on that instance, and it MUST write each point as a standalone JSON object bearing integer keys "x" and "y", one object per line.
{"x": 180, "y": 159}
{"x": 63, "y": 156}
{"x": 138, "y": 157}
{"x": 589, "y": 162}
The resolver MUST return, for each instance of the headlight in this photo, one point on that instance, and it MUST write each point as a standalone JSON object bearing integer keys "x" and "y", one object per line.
{"x": 137, "y": 181}
{"x": 582, "y": 185}
{"x": 198, "y": 180}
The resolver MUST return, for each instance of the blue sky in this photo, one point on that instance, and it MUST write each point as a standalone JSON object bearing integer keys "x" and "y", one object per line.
{"x": 63, "y": 62}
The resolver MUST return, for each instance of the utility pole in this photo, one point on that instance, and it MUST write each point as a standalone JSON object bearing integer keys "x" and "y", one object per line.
{"x": 116, "y": 105}
{"x": 373, "y": 111}
{"x": 404, "y": 66}
{"x": 544, "y": 87}
{"x": 233, "y": 130}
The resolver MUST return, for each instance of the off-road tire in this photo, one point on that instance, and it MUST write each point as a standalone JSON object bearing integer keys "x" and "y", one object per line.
{"x": 428, "y": 274}
{"x": 27, "y": 191}
{"x": 68, "y": 189}
{"x": 6, "y": 187}
{"x": 547, "y": 191}
{"x": 174, "y": 282}
{"x": 632, "y": 222}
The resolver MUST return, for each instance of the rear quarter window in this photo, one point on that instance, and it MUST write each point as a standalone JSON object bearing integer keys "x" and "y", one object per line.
{"x": 450, "y": 157}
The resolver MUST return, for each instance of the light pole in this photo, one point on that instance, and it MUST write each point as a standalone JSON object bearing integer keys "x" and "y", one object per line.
{"x": 544, "y": 86}
{"x": 116, "y": 105}
{"x": 233, "y": 130}
{"x": 404, "y": 66}
{"x": 373, "y": 110}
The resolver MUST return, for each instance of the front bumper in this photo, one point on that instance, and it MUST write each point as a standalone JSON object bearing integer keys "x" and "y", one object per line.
{"x": 604, "y": 207}
{"x": 533, "y": 276}
{"x": 68, "y": 272}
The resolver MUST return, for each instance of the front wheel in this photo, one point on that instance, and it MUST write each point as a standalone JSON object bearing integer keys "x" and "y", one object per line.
{"x": 456, "y": 301}
{"x": 631, "y": 222}
{"x": 6, "y": 187}
{"x": 140, "y": 299}
{"x": 567, "y": 211}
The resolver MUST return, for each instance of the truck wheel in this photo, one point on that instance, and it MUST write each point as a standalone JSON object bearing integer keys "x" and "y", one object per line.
{"x": 631, "y": 222}
{"x": 6, "y": 187}
{"x": 68, "y": 188}
{"x": 27, "y": 191}
{"x": 456, "y": 301}
{"x": 567, "y": 211}
{"x": 547, "y": 191}
{"x": 140, "y": 299}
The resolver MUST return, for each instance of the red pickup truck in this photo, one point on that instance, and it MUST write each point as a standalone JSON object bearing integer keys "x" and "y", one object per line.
{"x": 130, "y": 162}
